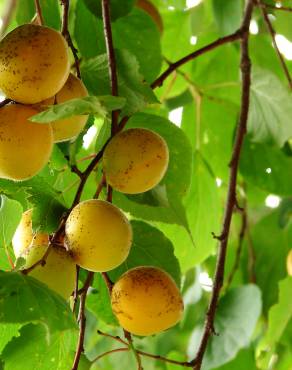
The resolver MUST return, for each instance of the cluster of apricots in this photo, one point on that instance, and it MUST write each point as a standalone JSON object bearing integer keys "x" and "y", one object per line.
{"x": 34, "y": 74}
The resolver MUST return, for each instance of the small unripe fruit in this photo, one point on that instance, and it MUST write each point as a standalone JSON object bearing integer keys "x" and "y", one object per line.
{"x": 34, "y": 63}
{"x": 98, "y": 235}
{"x": 59, "y": 272}
{"x": 135, "y": 160}
{"x": 24, "y": 237}
{"x": 68, "y": 128}
{"x": 25, "y": 147}
{"x": 146, "y": 301}
{"x": 289, "y": 263}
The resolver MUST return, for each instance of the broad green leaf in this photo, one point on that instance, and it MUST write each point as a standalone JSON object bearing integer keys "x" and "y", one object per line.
{"x": 117, "y": 8}
{"x": 34, "y": 349}
{"x": 7, "y": 332}
{"x": 24, "y": 299}
{"x": 150, "y": 248}
{"x": 132, "y": 86}
{"x": 97, "y": 105}
{"x": 270, "y": 109}
{"x": 228, "y": 14}
{"x": 266, "y": 167}
{"x": 98, "y": 301}
{"x": 280, "y": 315}
{"x": 10, "y": 215}
{"x": 243, "y": 361}
{"x": 271, "y": 244}
{"x": 235, "y": 322}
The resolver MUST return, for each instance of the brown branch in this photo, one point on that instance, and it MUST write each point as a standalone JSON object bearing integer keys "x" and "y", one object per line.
{"x": 40, "y": 18}
{"x": 124, "y": 349}
{"x": 108, "y": 282}
{"x": 66, "y": 34}
{"x": 82, "y": 321}
{"x": 231, "y": 197}
{"x": 11, "y": 5}
{"x": 128, "y": 336}
{"x": 111, "y": 58}
{"x": 5, "y": 102}
{"x": 164, "y": 359}
{"x": 75, "y": 293}
{"x": 283, "y": 8}
{"x": 239, "y": 246}
{"x": 101, "y": 185}
{"x": 273, "y": 35}
{"x": 173, "y": 66}
{"x": 118, "y": 339}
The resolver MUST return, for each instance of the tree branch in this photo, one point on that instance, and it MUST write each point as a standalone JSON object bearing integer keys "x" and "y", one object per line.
{"x": 173, "y": 66}
{"x": 66, "y": 34}
{"x": 231, "y": 197}
{"x": 111, "y": 58}
{"x": 40, "y": 18}
{"x": 82, "y": 321}
{"x": 273, "y": 35}
{"x": 5, "y": 102}
{"x": 283, "y": 8}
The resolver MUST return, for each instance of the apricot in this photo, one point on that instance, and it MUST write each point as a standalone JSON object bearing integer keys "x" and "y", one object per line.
{"x": 289, "y": 263}
{"x": 34, "y": 63}
{"x": 135, "y": 160}
{"x": 24, "y": 237}
{"x": 25, "y": 147}
{"x": 69, "y": 128}
{"x": 98, "y": 235}
{"x": 152, "y": 11}
{"x": 146, "y": 301}
{"x": 59, "y": 272}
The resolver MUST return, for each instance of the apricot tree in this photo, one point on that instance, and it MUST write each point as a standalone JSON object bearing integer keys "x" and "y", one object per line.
{"x": 145, "y": 186}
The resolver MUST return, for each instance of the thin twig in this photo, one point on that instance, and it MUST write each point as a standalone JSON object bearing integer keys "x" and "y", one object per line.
{"x": 108, "y": 282}
{"x": 101, "y": 185}
{"x": 239, "y": 246}
{"x": 75, "y": 293}
{"x": 66, "y": 34}
{"x": 128, "y": 336}
{"x": 231, "y": 197}
{"x": 164, "y": 359}
{"x": 173, "y": 66}
{"x": 82, "y": 321}
{"x": 5, "y": 102}
{"x": 116, "y": 338}
{"x": 124, "y": 349}
{"x": 283, "y": 8}
{"x": 39, "y": 13}
{"x": 111, "y": 58}
{"x": 273, "y": 35}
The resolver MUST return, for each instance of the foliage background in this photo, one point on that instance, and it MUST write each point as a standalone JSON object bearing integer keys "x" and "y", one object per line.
{"x": 196, "y": 111}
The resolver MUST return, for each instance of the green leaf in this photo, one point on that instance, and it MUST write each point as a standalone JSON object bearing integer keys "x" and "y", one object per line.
{"x": 131, "y": 83}
{"x": 270, "y": 109}
{"x": 280, "y": 315}
{"x": 8, "y": 331}
{"x": 150, "y": 248}
{"x": 228, "y": 14}
{"x": 266, "y": 167}
{"x": 235, "y": 322}
{"x": 117, "y": 8}
{"x": 10, "y": 216}
{"x": 243, "y": 361}
{"x": 24, "y": 299}
{"x": 34, "y": 349}
{"x": 98, "y": 301}
{"x": 97, "y": 105}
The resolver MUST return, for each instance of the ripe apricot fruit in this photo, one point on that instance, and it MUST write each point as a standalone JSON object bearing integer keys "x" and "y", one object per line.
{"x": 34, "y": 63}
{"x": 135, "y": 160}
{"x": 25, "y": 147}
{"x": 98, "y": 235}
{"x": 146, "y": 301}
{"x": 289, "y": 263}
{"x": 58, "y": 273}
{"x": 69, "y": 128}
{"x": 151, "y": 9}
{"x": 24, "y": 237}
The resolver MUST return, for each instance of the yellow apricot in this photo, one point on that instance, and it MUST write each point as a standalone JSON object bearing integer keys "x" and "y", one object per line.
{"x": 151, "y": 9}
{"x": 68, "y": 128}
{"x": 58, "y": 273}
{"x": 289, "y": 263}
{"x": 98, "y": 235}
{"x": 24, "y": 237}
{"x": 34, "y": 63}
{"x": 25, "y": 147}
{"x": 135, "y": 160}
{"x": 146, "y": 301}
